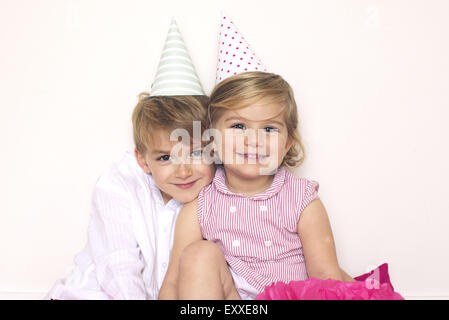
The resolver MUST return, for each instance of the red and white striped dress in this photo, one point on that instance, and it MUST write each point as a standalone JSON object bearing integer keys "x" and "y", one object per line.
{"x": 258, "y": 235}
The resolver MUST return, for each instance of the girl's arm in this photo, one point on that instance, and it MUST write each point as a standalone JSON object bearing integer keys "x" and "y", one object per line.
{"x": 318, "y": 243}
{"x": 346, "y": 277}
{"x": 187, "y": 230}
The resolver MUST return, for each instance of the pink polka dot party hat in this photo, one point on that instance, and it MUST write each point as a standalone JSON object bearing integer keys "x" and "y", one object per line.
{"x": 234, "y": 54}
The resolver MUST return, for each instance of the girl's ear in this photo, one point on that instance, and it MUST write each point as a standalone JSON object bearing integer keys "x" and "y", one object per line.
{"x": 289, "y": 144}
{"x": 142, "y": 162}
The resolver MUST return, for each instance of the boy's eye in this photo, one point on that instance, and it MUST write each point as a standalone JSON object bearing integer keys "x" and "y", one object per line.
{"x": 165, "y": 157}
{"x": 238, "y": 126}
{"x": 197, "y": 153}
{"x": 271, "y": 129}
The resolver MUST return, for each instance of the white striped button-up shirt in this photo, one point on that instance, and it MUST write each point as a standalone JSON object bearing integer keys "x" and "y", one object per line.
{"x": 258, "y": 235}
{"x": 130, "y": 237}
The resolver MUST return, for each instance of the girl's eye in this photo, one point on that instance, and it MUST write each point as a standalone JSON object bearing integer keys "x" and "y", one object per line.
{"x": 197, "y": 153}
{"x": 238, "y": 126}
{"x": 165, "y": 157}
{"x": 271, "y": 129}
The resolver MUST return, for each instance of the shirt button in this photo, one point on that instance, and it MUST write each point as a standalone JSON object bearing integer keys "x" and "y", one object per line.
{"x": 263, "y": 208}
{"x": 164, "y": 265}
{"x": 268, "y": 243}
{"x": 232, "y": 209}
{"x": 236, "y": 243}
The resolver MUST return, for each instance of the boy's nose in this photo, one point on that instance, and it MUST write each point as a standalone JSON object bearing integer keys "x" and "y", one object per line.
{"x": 183, "y": 171}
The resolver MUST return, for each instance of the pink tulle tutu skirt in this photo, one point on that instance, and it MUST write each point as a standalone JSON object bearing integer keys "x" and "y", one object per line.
{"x": 374, "y": 285}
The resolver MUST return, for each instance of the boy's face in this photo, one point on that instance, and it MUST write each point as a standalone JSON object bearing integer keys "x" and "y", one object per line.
{"x": 181, "y": 175}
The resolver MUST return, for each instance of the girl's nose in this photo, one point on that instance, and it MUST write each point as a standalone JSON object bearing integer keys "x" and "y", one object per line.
{"x": 254, "y": 138}
{"x": 183, "y": 171}
{"x": 250, "y": 138}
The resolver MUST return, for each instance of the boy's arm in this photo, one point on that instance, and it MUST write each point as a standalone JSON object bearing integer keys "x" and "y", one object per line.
{"x": 187, "y": 230}
{"x": 318, "y": 243}
{"x": 113, "y": 246}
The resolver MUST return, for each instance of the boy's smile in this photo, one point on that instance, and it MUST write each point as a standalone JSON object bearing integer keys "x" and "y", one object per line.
{"x": 178, "y": 176}
{"x": 186, "y": 185}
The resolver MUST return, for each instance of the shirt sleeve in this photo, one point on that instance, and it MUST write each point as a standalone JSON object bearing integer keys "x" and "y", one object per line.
{"x": 203, "y": 210}
{"x": 113, "y": 246}
{"x": 200, "y": 205}
{"x": 310, "y": 193}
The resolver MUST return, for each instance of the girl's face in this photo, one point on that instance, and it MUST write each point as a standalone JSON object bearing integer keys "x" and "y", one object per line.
{"x": 254, "y": 139}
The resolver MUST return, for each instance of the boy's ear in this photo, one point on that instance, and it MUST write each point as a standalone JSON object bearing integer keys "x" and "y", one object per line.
{"x": 141, "y": 161}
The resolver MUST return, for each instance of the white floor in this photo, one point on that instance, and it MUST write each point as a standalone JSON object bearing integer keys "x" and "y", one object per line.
{"x": 22, "y": 295}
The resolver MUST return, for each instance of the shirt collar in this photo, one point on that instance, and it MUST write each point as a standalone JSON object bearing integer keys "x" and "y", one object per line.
{"x": 276, "y": 185}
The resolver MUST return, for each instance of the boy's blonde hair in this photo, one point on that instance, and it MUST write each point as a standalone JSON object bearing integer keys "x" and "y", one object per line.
{"x": 167, "y": 113}
{"x": 248, "y": 88}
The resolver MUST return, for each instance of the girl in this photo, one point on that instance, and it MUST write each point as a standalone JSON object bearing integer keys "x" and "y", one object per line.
{"x": 261, "y": 223}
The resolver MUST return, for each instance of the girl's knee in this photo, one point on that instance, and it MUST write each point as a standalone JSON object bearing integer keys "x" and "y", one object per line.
{"x": 201, "y": 253}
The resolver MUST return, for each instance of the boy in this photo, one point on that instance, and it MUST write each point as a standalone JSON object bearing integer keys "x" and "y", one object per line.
{"x": 136, "y": 201}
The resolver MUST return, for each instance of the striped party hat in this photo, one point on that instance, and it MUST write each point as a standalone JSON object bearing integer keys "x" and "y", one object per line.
{"x": 235, "y": 54}
{"x": 176, "y": 75}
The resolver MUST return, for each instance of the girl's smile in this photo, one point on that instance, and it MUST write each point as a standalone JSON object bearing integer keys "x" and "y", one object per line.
{"x": 257, "y": 157}
{"x": 253, "y": 136}
{"x": 254, "y": 145}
